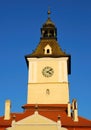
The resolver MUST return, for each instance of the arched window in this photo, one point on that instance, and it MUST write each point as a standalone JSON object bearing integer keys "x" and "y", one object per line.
{"x": 47, "y": 91}
{"x": 48, "y": 51}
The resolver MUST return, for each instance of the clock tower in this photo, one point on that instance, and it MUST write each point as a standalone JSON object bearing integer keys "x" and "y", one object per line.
{"x": 48, "y": 106}
{"x": 48, "y": 69}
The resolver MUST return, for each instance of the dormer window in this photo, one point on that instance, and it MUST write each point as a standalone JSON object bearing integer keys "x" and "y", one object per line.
{"x": 47, "y": 50}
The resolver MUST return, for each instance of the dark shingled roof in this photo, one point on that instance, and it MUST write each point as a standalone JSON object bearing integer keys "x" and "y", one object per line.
{"x": 56, "y": 50}
{"x": 48, "y": 23}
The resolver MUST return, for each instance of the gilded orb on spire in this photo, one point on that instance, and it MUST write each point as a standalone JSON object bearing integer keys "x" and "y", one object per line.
{"x": 49, "y": 12}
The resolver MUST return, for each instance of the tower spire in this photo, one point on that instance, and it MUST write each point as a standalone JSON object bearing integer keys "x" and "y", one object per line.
{"x": 48, "y": 12}
{"x": 48, "y": 29}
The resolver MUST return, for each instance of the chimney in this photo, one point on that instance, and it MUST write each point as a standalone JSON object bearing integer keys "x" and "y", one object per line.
{"x": 69, "y": 109}
{"x": 7, "y": 110}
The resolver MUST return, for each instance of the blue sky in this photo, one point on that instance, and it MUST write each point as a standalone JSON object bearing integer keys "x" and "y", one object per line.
{"x": 20, "y": 23}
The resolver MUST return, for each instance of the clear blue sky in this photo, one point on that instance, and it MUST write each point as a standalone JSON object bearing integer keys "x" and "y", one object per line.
{"x": 20, "y": 23}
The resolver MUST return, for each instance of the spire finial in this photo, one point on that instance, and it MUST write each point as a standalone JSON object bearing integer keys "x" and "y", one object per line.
{"x": 49, "y": 12}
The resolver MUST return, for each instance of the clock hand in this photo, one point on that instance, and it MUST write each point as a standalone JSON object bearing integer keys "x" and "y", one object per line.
{"x": 50, "y": 69}
{"x": 49, "y": 72}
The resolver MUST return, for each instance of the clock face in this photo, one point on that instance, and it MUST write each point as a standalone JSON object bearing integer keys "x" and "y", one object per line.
{"x": 47, "y": 71}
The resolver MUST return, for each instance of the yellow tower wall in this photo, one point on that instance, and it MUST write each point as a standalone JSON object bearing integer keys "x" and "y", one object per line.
{"x": 48, "y": 90}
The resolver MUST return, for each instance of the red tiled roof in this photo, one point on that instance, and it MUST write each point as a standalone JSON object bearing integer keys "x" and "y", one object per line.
{"x": 49, "y": 113}
{"x": 45, "y": 106}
